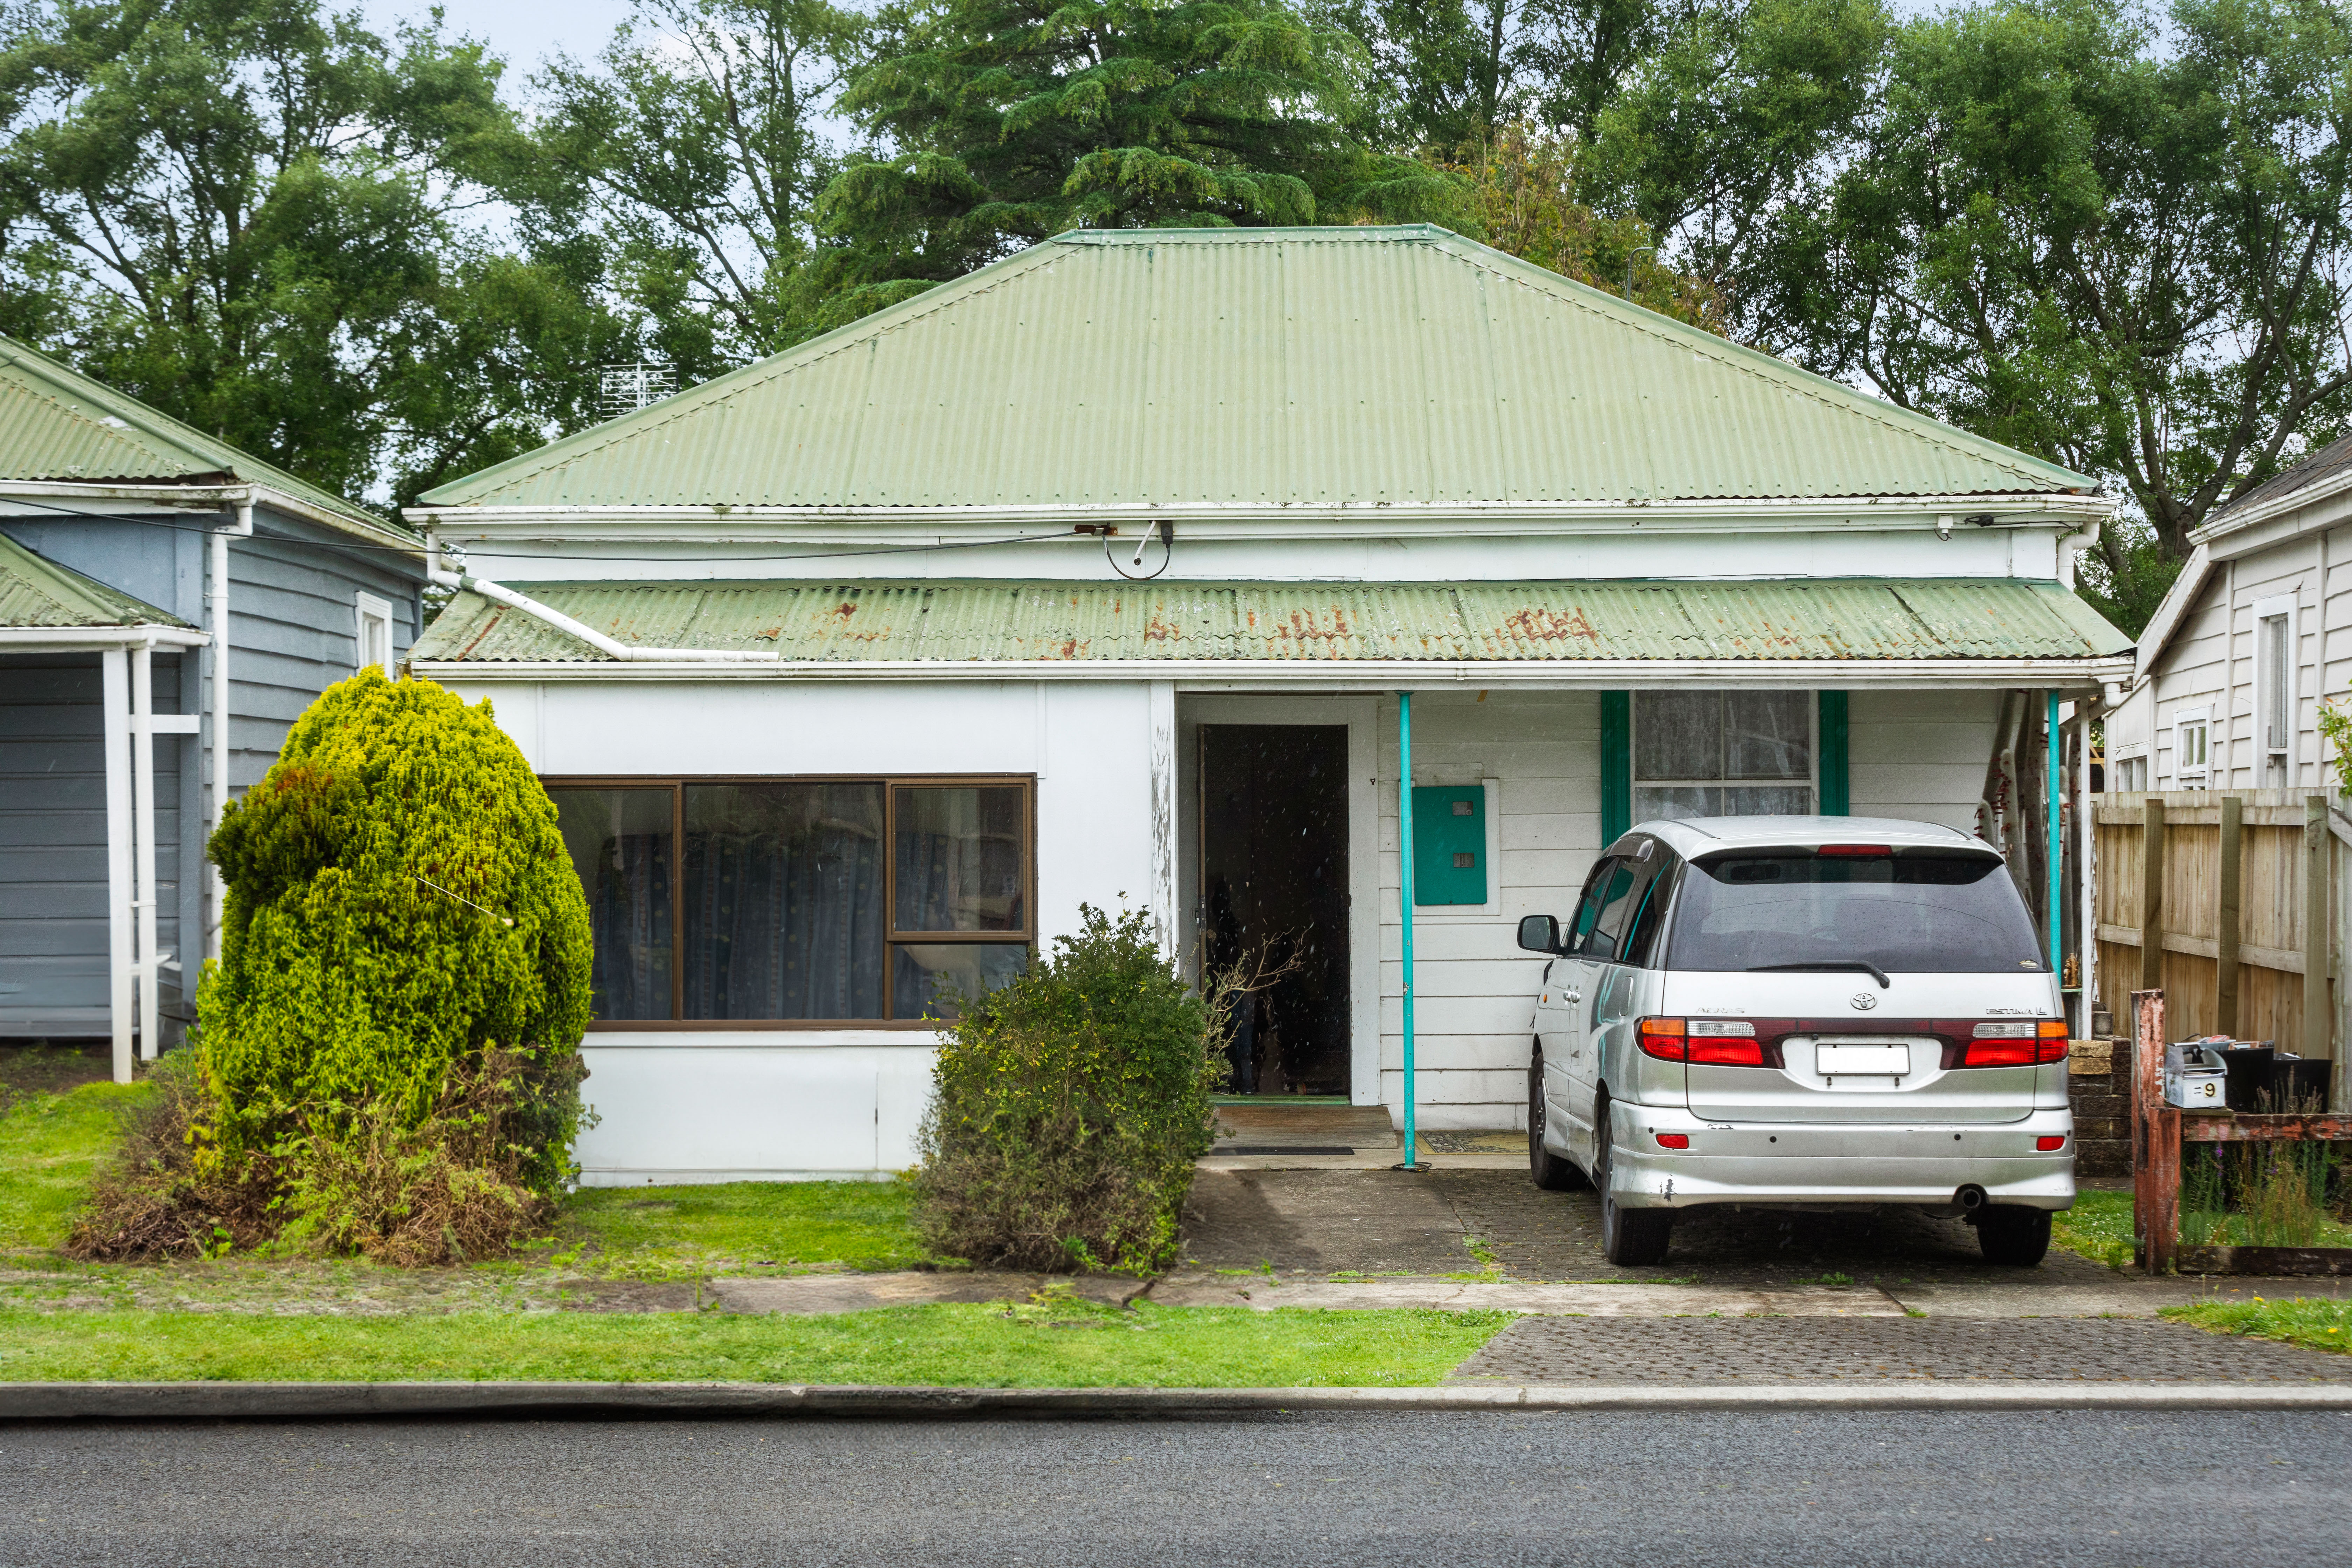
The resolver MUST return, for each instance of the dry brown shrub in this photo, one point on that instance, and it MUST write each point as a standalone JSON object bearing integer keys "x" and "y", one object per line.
{"x": 450, "y": 1189}
{"x": 155, "y": 1200}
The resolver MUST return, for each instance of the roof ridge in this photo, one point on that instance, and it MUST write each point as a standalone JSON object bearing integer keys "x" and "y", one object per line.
{"x": 60, "y": 383}
{"x": 1740, "y": 356}
{"x": 745, "y": 378}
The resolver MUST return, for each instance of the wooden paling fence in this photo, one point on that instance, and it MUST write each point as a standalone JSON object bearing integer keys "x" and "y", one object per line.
{"x": 2233, "y": 905}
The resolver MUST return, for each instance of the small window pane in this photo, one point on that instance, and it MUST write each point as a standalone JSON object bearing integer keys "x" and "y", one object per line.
{"x": 619, "y": 844}
{"x": 959, "y": 850}
{"x": 1679, "y": 804}
{"x": 1767, "y": 735}
{"x": 929, "y": 980}
{"x": 783, "y": 901}
{"x": 1767, "y": 800}
{"x": 1678, "y": 734}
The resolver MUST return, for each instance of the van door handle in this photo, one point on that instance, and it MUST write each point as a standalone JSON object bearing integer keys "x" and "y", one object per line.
{"x": 1573, "y": 995}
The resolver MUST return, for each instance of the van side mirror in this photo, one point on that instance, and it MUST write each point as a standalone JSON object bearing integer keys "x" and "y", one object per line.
{"x": 1540, "y": 934}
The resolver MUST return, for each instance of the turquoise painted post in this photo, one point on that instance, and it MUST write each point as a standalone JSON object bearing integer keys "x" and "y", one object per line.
{"x": 2057, "y": 851}
{"x": 1404, "y": 884}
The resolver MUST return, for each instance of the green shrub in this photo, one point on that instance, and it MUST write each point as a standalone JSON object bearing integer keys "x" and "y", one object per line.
{"x": 389, "y": 1043}
{"x": 1069, "y": 1107}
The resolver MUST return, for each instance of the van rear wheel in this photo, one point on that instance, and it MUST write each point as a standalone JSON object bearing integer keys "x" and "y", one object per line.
{"x": 1547, "y": 1170}
{"x": 2012, "y": 1235}
{"x": 1628, "y": 1237}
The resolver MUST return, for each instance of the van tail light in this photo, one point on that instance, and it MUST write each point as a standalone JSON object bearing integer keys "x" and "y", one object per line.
{"x": 1714, "y": 1042}
{"x": 1861, "y": 851}
{"x": 1674, "y": 1139}
{"x": 1999, "y": 1043}
{"x": 2050, "y": 1142}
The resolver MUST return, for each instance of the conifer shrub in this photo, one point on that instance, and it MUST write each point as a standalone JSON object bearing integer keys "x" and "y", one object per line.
{"x": 389, "y": 1044}
{"x": 1069, "y": 1106}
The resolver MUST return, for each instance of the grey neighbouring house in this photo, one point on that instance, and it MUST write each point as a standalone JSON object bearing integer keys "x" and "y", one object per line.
{"x": 127, "y": 542}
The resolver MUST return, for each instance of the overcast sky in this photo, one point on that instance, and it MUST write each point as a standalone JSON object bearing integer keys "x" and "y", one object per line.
{"x": 524, "y": 31}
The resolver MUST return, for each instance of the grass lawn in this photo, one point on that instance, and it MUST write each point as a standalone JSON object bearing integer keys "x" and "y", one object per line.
{"x": 49, "y": 1144}
{"x": 737, "y": 1228}
{"x": 1057, "y": 1344}
{"x": 2323, "y": 1325}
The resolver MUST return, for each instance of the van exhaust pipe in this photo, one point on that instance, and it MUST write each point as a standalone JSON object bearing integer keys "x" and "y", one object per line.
{"x": 1971, "y": 1199}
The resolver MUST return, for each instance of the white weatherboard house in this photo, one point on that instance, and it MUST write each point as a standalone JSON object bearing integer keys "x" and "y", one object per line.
{"x": 1098, "y": 576}
{"x": 2249, "y": 642}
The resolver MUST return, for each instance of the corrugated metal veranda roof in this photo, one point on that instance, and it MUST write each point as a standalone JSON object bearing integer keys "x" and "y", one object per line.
{"x": 37, "y": 592}
{"x": 57, "y": 423}
{"x": 966, "y": 621}
{"x": 1399, "y": 367}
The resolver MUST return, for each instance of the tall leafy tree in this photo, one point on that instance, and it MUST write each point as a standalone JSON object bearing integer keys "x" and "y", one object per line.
{"x": 1446, "y": 74}
{"x": 1009, "y": 120}
{"x": 694, "y": 149}
{"x": 259, "y": 216}
{"x": 2125, "y": 246}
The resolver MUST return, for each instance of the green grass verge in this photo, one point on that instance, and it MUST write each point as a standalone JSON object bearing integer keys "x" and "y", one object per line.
{"x": 1063, "y": 1344}
{"x": 2322, "y": 1325}
{"x": 49, "y": 1146}
{"x": 658, "y": 1232}
{"x": 2099, "y": 1227}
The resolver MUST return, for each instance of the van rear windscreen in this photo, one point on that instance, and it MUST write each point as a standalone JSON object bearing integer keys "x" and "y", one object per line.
{"x": 1916, "y": 912}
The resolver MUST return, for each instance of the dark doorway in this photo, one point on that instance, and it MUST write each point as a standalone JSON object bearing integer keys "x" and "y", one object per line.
{"x": 1274, "y": 873}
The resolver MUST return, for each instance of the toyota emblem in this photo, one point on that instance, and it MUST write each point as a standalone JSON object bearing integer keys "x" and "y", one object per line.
{"x": 1863, "y": 1001}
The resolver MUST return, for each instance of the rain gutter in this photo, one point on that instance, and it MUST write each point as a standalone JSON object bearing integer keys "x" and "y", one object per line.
{"x": 1342, "y": 675}
{"x": 686, "y": 657}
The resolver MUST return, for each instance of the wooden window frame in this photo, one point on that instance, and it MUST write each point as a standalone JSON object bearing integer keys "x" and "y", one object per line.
{"x": 678, "y": 784}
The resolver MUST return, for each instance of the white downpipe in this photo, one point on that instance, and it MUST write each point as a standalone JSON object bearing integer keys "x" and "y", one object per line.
{"x": 142, "y": 841}
{"x": 115, "y": 683}
{"x": 217, "y": 623}
{"x": 590, "y": 635}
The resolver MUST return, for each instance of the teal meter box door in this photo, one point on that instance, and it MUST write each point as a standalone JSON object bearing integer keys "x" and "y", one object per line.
{"x": 1449, "y": 843}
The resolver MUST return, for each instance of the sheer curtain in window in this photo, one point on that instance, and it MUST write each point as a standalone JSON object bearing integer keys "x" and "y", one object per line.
{"x": 783, "y": 901}
{"x": 1722, "y": 754}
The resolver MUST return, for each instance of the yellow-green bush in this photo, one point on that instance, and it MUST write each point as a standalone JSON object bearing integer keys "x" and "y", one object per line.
{"x": 399, "y": 903}
{"x": 390, "y": 1042}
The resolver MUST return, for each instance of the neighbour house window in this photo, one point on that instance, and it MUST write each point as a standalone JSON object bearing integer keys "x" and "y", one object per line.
{"x": 374, "y": 633}
{"x": 2131, "y": 775}
{"x": 793, "y": 900}
{"x": 2274, "y": 686}
{"x": 1723, "y": 753}
{"x": 2192, "y": 750}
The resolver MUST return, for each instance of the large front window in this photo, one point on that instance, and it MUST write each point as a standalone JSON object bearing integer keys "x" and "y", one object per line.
{"x": 792, "y": 901}
{"x": 1722, "y": 754}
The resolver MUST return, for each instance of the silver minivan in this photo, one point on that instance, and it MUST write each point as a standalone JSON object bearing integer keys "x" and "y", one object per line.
{"x": 1817, "y": 1014}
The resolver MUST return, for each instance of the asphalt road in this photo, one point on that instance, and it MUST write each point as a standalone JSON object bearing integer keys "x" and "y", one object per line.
{"x": 1726, "y": 1490}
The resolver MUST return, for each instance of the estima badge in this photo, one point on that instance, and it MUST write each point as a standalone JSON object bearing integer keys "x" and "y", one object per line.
{"x": 1863, "y": 1001}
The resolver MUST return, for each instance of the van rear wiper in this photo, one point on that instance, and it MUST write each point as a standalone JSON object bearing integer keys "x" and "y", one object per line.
{"x": 1863, "y": 965}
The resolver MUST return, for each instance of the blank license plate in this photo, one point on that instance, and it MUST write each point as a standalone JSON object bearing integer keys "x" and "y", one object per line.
{"x": 1861, "y": 1061}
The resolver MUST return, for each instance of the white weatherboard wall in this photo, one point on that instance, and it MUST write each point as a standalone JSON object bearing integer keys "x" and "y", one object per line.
{"x": 1475, "y": 1008}
{"x": 729, "y": 1105}
{"x": 2209, "y": 665}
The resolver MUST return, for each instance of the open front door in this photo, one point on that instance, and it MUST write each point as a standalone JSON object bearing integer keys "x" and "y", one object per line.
{"x": 1273, "y": 874}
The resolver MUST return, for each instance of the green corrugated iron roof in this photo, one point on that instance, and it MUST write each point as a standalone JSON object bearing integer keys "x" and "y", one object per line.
{"x": 1835, "y": 618}
{"x": 57, "y": 423}
{"x": 1269, "y": 367}
{"x": 37, "y": 592}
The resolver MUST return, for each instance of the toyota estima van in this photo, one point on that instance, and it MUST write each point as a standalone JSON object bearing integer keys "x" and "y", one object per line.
{"x": 1807, "y": 1013}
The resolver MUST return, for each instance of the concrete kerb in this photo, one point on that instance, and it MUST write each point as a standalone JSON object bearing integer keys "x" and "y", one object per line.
{"x": 349, "y": 1401}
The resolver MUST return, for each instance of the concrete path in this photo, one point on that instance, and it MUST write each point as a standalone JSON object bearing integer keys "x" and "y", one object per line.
{"x": 801, "y": 1293}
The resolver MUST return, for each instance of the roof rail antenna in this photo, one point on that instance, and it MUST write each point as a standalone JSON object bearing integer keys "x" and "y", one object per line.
{"x": 640, "y": 384}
